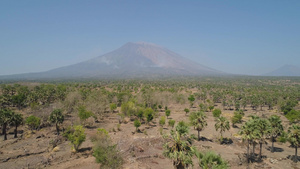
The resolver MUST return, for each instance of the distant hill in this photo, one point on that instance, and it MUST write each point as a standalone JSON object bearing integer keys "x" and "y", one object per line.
{"x": 131, "y": 60}
{"x": 286, "y": 70}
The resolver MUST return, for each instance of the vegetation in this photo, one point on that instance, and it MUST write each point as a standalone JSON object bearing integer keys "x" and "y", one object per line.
{"x": 76, "y": 136}
{"x": 5, "y": 118}
{"x": 57, "y": 118}
{"x": 223, "y": 124}
{"x": 105, "y": 152}
{"x": 33, "y": 122}
{"x": 16, "y": 120}
{"x": 162, "y": 120}
{"x": 178, "y": 150}
{"x": 276, "y": 129}
{"x": 171, "y": 123}
{"x": 198, "y": 121}
{"x": 168, "y": 112}
{"x": 210, "y": 160}
{"x": 294, "y": 139}
{"x": 217, "y": 113}
{"x": 137, "y": 124}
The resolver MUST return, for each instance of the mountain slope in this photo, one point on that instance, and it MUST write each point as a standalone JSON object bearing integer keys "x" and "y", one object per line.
{"x": 286, "y": 70}
{"x": 131, "y": 60}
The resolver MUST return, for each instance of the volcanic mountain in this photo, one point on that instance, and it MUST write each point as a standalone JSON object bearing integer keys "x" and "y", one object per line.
{"x": 286, "y": 70}
{"x": 131, "y": 60}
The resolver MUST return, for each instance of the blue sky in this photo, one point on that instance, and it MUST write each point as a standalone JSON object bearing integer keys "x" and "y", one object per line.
{"x": 244, "y": 37}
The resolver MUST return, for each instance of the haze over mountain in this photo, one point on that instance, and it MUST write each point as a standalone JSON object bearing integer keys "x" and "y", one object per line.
{"x": 131, "y": 60}
{"x": 286, "y": 70}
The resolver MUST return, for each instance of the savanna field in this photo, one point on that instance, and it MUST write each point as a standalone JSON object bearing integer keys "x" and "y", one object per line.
{"x": 207, "y": 122}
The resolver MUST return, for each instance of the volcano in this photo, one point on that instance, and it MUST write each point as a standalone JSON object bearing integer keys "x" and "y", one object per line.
{"x": 138, "y": 59}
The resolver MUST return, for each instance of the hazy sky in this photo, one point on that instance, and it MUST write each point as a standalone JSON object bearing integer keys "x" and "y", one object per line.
{"x": 245, "y": 37}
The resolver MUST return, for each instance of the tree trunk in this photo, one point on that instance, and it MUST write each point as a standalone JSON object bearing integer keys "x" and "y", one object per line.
{"x": 253, "y": 150}
{"x": 4, "y": 131}
{"x": 296, "y": 156}
{"x": 248, "y": 147}
{"x": 198, "y": 135}
{"x": 180, "y": 166}
{"x": 260, "y": 149}
{"x": 16, "y": 132}
{"x": 57, "y": 129}
{"x": 273, "y": 144}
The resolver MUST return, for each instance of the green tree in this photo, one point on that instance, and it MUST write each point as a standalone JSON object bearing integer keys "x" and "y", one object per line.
{"x": 5, "y": 119}
{"x": 178, "y": 150}
{"x": 149, "y": 114}
{"x": 191, "y": 98}
{"x": 294, "y": 138}
{"x": 57, "y": 117}
{"x": 76, "y": 136}
{"x": 140, "y": 114}
{"x": 186, "y": 111}
{"x": 137, "y": 124}
{"x": 276, "y": 128}
{"x": 16, "y": 120}
{"x": 33, "y": 122}
{"x": 198, "y": 120}
{"x": 216, "y": 112}
{"x": 211, "y": 160}
{"x": 248, "y": 135}
{"x": 223, "y": 124}
{"x": 168, "y": 112}
{"x": 236, "y": 118}
{"x": 263, "y": 128}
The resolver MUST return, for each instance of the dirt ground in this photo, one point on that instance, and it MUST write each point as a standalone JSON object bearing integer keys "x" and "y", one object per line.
{"x": 142, "y": 150}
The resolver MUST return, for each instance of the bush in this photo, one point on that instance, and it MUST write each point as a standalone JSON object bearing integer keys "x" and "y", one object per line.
{"x": 171, "y": 123}
{"x": 210, "y": 160}
{"x": 83, "y": 113}
{"x": 137, "y": 124}
{"x": 76, "y": 136}
{"x": 293, "y": 115}
{"x": 105, "y": 152}
{"x": 216, "y": 112}
{"x": 33, "y": 122}
{"x": 162, "y": 120}
{"x": 168, "y": 112}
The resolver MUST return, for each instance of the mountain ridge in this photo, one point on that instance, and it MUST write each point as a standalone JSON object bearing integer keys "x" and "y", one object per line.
{"x": 285, "y": 70}
{"x": 133, "y": 59}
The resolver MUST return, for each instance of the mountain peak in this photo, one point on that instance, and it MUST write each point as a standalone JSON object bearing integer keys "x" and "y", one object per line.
{"x": 134, "y": 59}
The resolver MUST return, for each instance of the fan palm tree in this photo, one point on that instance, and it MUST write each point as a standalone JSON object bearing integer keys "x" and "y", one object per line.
{"x": 294, "y": 138}
{"x": 178, "y": 150}
{"x": 57, "y": 117}
{"x": 276, "y": 129}
{"x": 17, "y": 120}
{"x": 5, "y": 119}
{"x": 263, "y": 128}
{"x": 248, "y": 134}
{"x": 198, "y": 120}
{"x": 223, "y": 124}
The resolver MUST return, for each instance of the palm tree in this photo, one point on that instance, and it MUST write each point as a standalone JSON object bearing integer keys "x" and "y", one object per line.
{"x": 263, "y": 128}
{"x": 5, "y": 119}
{"x": 294, "y": 138}
{"x": 198, "y": 120}
{"x": 178, "y": 150}
{"x": 57, "y": 117}
{"x": 248, "y": 134}
{"x": 223, "y": 124}
{"x": 17, "y": 120}
{"x": 276, "y": 129}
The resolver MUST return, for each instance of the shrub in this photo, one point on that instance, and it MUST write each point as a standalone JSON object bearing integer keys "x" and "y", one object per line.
{"x": 168, "y": 112}
{"x": 216, "y": 112}
{"x": 83, "y": 113}
{"x": 76, "y": 136}
{"x": 137, "y": 124}
{"x": 171, "y": 123}
{"x": 33, "y": 122}
{"x": 162, "y": 120}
